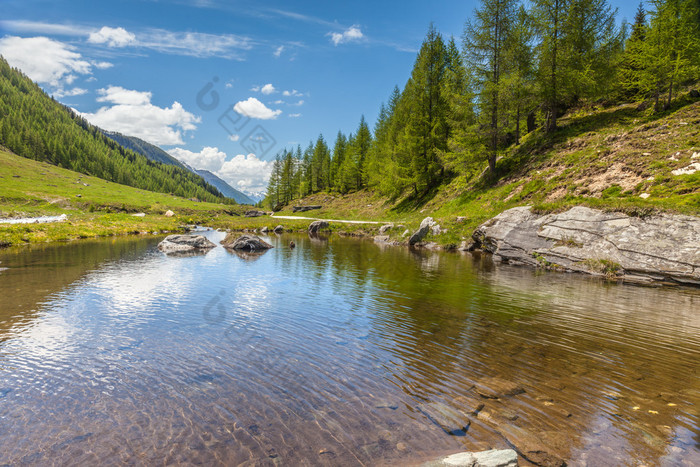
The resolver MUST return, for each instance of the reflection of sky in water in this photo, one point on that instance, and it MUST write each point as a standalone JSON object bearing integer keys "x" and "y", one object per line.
{"x": 330, "y": 335}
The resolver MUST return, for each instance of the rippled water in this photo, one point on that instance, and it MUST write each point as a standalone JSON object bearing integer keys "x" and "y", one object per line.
{"x": 338, "y": 352}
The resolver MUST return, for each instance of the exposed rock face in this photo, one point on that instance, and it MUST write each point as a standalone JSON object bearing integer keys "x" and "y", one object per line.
{"x": 279, "y": 229}
{"x": 663, "y": 247}
{"x": 425, "y": 226}
{"x": 182, "y": 243}
{"x": 254, "y": 213}
{"x": 264, "y": 230}
{"x": 385, "y": 228}
{"x": 305, "y": 208}
{"x": 317, "y": 226}
{"x": 245, "y": 242}
{"x": 492, "y": 458}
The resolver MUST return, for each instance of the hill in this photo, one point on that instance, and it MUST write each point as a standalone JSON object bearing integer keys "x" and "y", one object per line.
{"x": 144, "y": 148}
{"x": 621, "y": 158}
{"x": 156, "y": 154}
{"x": 35, "y": 126}
{"x": 226, "y": 189}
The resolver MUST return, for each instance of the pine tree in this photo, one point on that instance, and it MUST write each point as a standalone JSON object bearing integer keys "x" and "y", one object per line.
{"x": 485, "y": 43}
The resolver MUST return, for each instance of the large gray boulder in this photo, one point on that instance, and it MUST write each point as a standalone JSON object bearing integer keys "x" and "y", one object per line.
{"x": 385, "y": 228}
{"x": 425, "y": 226}
{"x": 305, "y": 208}
{"x": 184, "y": 243}
{"x": 492, "y": 458}
{"x": 664, "y": 247}
{"x": 317, "y": 226}
{"x": 279, "y": 229}
{"x": 245, "y": 242}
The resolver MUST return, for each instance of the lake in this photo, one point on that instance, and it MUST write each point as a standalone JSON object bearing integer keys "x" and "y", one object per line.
{"x": 337, "y": 352}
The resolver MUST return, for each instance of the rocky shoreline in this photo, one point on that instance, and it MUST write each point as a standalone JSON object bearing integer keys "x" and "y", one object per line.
{"x": 662, "y": 248}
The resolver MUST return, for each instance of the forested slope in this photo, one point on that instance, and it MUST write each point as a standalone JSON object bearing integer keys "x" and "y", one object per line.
{"x": 35, "y": 126}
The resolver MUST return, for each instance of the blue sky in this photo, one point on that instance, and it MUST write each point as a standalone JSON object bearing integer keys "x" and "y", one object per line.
{"x": 291, "y": 70}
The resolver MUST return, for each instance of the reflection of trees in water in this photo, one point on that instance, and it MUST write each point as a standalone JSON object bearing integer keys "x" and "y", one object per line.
{"x": 38, "y": 271}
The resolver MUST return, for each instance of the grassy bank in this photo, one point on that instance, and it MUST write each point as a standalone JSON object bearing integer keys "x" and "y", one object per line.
{"x": 614, "y": 159}
{"x": 98, "y": 208}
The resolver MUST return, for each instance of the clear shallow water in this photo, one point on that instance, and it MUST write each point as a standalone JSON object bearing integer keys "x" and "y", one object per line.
{"x": 339, "y": 352}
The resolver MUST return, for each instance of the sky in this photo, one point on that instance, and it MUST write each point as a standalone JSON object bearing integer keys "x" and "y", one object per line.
{"x": 226, "y": 85}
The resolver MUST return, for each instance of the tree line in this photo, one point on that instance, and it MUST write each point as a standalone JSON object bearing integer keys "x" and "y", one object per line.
{"x": 520, "y": 67}
{"x": 35, "y": 126}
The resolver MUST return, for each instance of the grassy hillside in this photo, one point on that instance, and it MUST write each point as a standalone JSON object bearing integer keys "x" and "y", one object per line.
{"x": 94, "y": 207}
{"x": 605, "y": 158}
{"x": 35, "y": 126}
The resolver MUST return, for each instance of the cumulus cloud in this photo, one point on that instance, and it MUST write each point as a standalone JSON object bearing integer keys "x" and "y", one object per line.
{"x": 267, "y": 89}
{"x": 112, "y": 37}
{"x": 119, "y": 95}
{"x": 278, "y": 51}
{"x": 208, "y": 158}
{"x": 351, "y": 34}
{"x": 292, "y": 93}
{"x": 132, "y": 113}
{"x": 253, "y": 108}
{"x": 246, "y": 173}
{"x": 294, "y": 115}
{"x": 234, "y": 138}
{"x": 44, "y": 60}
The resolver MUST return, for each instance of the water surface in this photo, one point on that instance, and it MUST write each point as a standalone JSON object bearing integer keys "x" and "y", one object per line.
{"x": 339, "y": 352}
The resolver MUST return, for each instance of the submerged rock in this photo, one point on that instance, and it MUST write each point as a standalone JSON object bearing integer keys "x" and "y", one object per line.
{"x": 185, "y": 243}
{"x": 452, "y": 421}
{"x": 492, "y": 458}
{"x": 661, "y": 247}
{"x": 264, "y": 230}
{"x": 317, "y": 226}
{"x": 245, "y": 242}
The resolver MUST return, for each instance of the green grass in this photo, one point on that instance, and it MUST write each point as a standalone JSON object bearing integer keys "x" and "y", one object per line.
{"x": 600, "y": 158}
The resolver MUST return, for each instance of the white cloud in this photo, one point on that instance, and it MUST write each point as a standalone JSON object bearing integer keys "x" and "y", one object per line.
{"x": 278, "y": 51}
{"x": 300, "y": 103}
{"x": 234, "y": 138}
{"x": 351, "y": 34}
{"x": 293, "y": 93}
{"x": 208, "y": 158}
{"x": 194, "y": 44}
{"x": 44, "y": 60}
{"x": 255, "y": 89}
{"x": 102, "y": 65}
{"x": 119, "y": 95}
{"x": 70, "y": 92}
{"x": 229, "y": 84}
{"x": 253, "y": 108}
{"x": 267, "y": 89}
{"x": 44, "y": 28}
{"x": 113, "y": 37}
{"x": 133, "y": 114}
{"x": 245, "y": 173}
{"x": 278, "y": 102}
{"x": 294, "y": 115}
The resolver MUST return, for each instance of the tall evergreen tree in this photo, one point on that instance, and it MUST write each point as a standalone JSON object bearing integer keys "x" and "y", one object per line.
{"x": 485, "y": 44}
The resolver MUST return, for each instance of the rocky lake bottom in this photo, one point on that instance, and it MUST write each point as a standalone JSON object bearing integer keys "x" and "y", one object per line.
{"x": 337, "y": 352}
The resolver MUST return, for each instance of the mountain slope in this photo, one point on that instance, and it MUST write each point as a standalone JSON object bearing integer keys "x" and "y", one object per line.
{"x": 226, "y": 189}
{"x": 155, "y": 153}
{"x": 144, "y": 148}
{"x": 35, "y": 126}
